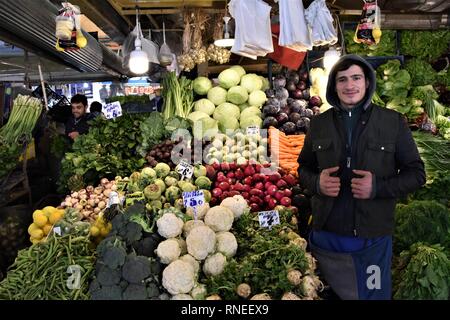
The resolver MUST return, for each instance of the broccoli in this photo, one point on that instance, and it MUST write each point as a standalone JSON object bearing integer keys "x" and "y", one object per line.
{"x": 148, "y": 247}
{"x": 107, "y": 293}
{"x": 107, "y": 276}
{"x": 94, "y": 286}
{"x": 114, "y": 257}
{"x": 136, "y": 269}
{"x": 133, "y": 232}
{"x": 156, "y": 267}
{"x": 135, "y": 292}
{"x": 153, "y": 290}
{"x": 123, "y": 284}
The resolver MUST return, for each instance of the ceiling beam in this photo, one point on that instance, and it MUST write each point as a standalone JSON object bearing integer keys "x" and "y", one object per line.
{"x": 165, "y": 11}
{"x": 153, "y": 21}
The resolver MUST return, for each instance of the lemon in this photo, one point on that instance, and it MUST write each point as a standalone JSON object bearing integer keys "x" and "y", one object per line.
{"x": 32, "y": 227}
{"x": 48, "y": 210}
{"x": 81, "y": 40}
{"x": 37, "y": 213}
{"x": 47, "y": 228}
{"x": 33, "y": 240}
{"x": 376, "y": 33}
{"x": 41, "y": 221}
{"x": 55, "y": 216}
{"x": 95, "y": 231}
{"x": 104, "y": 231}
{"x": 37, "y": 234}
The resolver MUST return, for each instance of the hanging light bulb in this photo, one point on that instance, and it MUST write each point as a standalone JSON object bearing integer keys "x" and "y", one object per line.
{"x": 138, "y": 63}
{"x": 330, "y": 58}
{"x": 226, "y": 41}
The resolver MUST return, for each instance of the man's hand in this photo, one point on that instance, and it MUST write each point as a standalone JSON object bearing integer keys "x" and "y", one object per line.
{"x": 329, "y": 185}
{"x": 362, "y": 187}
{"x": 74, "y": 135}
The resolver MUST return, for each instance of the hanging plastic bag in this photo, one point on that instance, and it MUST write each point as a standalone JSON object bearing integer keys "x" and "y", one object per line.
{"x": 320, "y": 22}
{"x": 294, "y": 32}
{"x": 147, "y": 45}
{"x": 368, "y": 30}
{"x": 68, "y": 28}
{"x": 165, "y": 54}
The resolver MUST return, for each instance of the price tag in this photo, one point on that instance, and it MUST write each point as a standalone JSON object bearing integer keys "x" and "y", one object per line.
{"x": 252, "y": 130}
{"x": 193, "y": 199}
{"x": 57, "y": 230}
{"x": 185, "y": 169}
{"x": 114, "y": 198}
{"x": 268, "y": 219}
{"x": 112, "y": 110}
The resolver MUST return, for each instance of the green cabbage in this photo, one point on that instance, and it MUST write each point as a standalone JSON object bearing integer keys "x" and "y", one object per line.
{"x": 257, "y": 98}
{"x": 197, "y": 115}
{"x": 205, "y": 127}
{"x": 228, "y": 123}
{"x": 251, "y": 121}
{"x": 265, "y": 83}
{"x": 243, "y": 106}
{"x": 250, "y": 111}
{"x": 202, "y": 85}
{"x": 229, "y": 78}
{"x": 204, "y": 105}
{"x": 217, "y": 95}
{"x": 239, "y": 70}
{"x": 237, "y": 95}
{"x": 226, "y": 110}
{"x": 251, "y": 82}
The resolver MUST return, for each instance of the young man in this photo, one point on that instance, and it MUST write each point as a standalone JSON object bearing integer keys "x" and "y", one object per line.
{"x": 357, "y": 160}
{"x": 77, "y": 123}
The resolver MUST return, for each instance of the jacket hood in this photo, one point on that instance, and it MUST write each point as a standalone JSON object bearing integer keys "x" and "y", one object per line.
{"x": 332, "y": 96}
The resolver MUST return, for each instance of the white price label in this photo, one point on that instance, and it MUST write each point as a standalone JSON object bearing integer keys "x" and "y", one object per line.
{"x": 57, "y": 230}
{"x": 268, "y": 219}
{"x": 113, "y": 199}
{"x": 112, "y": 110}
{"x": 185, "y": 169}
{"x": 252, "y": 130}
{"x": 193, "y": 199}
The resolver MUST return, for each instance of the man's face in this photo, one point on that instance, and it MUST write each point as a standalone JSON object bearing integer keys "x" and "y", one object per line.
{"x": 78, "y": 109}
{"x": 351, "y": 85}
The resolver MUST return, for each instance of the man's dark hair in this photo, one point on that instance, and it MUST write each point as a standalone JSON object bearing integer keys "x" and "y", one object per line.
{"x": 79, "y": 98}
{"x": 96, "y": 107}
{"x": 344, "y": 65}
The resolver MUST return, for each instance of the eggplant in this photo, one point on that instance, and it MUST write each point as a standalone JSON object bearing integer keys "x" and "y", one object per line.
{"x": 271, "y": 110}
{"x": 309, "y": 113}
{"x": 300, "y": 124}
{"x": 294, "y": 117}
{"x": 282, "y": 118}
{"x": 306, "y": 94}
{"x": 295, "y": 106}
{"x": 285, "y": 109}
{"x": 316, "y": 110}
{"x": 289, "y": 127}
{"x": 270, "y": 121}
{"x": 270, "y": 93}
{"x": 273, "y": 101}
{"x": 290, "y": 86}
{"x": 303, "y": 75}
{"x": 301, "y": 85}
{"x": 294, "y": 77}
{"x": 281, "y": 94}
{"x": 279, "y": 82}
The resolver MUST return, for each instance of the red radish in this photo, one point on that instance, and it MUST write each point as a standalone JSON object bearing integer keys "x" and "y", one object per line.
{"x": 259, "y": 185}
{"x": 293, "y": 209}
{"x": 287, "y": 193}
{"x": 210, "y": 172}
{"x": 267, "y": 198}
{"x": 249, "y": 171}
{"x": 224, "y": 186}
{"x": 246, "y": 195}
{"x": 258, "y": 168}
{"x": 254, "y": 207}
{"x": 230, "y": 174}
{"x": 272, "y": 203}
{"x": 266, "y": 179}
{"x": 239, "y": 186}
{"x": 267, "y": 185}
{"x": 278, "y": 195}
{"x": 239, "y": 174}
{"x": 234, "y": 193}
{"x": 226, "y": 194}
{"x": 258, "y": 177}
{"x": 216, "y": 184}
{"x": 275, "y": 177}
{"x": 247, "y": 188}
{"x": 221, "y": 178}
{"x": 248, "y": 181}
{"x": 255, "y": 199}
{"x": 233, "y": 166}
{"x": 225, "y": 166}
{"x": 216, "y": 166}
{"x": 213, "y": 201}
{"x": 281, "y": 184}
{"x": 232, "y": 187}
{"x": 257, "y": 192}
{"x": 272, "y": 190}
{"x": 290, "y": 180}
{"x": 285, "y": 201}
{"x": 216, "y": 192}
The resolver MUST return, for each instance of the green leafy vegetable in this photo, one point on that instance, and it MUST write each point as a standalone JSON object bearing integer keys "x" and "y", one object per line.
{"x": 427, "y": 45}
{"x": 434, "y": 151}
{"x": 422, "y": 73}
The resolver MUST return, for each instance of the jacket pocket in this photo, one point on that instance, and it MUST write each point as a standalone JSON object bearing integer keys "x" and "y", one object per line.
{"x": 325, "y": 153}
{"x": 380, "y": 157}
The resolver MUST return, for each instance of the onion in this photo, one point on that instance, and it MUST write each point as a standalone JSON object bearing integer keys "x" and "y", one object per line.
{"x": 83, "y": 197}
{"x": 107, "y": 192}
{"x": 82, "y": 191}
{"x": 108, "y": 185}
{"x": 97, "y": 210}
{"x": 98, "y": 190}
{"x": 89, "y": 189}
{"x": 104, "y": 181}
{"x": 79, "y": 207}
{"x": 101, "y": 204}
{"x": 88, "y": 207}
{"x": 91, "y": 202}
{"x": 74, "y": 195}
{"x": 113, "y": 187}
{"x": 97, "y": 200}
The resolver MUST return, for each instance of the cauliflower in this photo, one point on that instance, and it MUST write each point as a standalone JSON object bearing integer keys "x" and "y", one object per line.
{"x": 199, "y": 292}
{"x": 261, "y": 296}
{"x": 299, "y": 242}
{"x": 169, "y": 225}
{"x": 183, "y": 246}
{"x": 311, "y": 262}
{"x": 294, "y": 277}
{"x": 168, "y": 250}
{"x": 201, "y": 211}
{"x": 290, "y": 296}
{"x": 191, "y": 224}
{"x": 190, "y": 259}
{"x": 178, "y": 277}
{"x": 214, "y": 264}
{"x": 219, "y": 218}
{"x": 182, "y": 296}
{"x": 237, "y": 204}
{"x": 201, "y": 241}
{"x": 226, "y": 244}
{"x": 310, "y": 285}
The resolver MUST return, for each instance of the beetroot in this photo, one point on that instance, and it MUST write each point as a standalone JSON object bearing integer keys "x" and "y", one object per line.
{"x": 267, "y": 185}
{"x": 249, "y": 171}
{"x": 279, "y": 195}
{"x": 287, "y": 193}
{"x": 254, "y": 207}
{"x": 275, "y": 177}
{"x": 290, "y": 180}
{"x": 281, "y": 184}
{"x": 230, "y": 174}
{"x": 238, "y": 186}
{"x": 224, "y": 186}
{"x": 285, "y": 201}
{"x": 272, "y": 190}
{"x": 221, "y": 178}
{"x": 257, "y": 192}
{"x": 272, "y": 203}
{"x": 247, "y": 188}
{"x": 259, "y": 185}
{"x": 216, "y": 192}
{"x": 225, "y": 166}
{"x": 239, "y": 174}
{"x": 248, "y": 181}
{"x": 246, "y": 195}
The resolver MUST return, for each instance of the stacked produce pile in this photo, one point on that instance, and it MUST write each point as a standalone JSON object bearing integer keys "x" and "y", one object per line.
{"x": 39, "y": 272}
{"x": 127, "y": 268}
{"x": 290, "y": 105}
{"x": 285, "y": 149}
{"x": 221, "y": 110}
{"x": 262, "y": 191}
{"x": 269, "y": 264}
{"x": 17, "y": 131}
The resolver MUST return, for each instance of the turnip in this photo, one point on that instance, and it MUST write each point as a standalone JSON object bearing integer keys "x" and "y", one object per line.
{"x": 285, "y": 201}
{"x": 243, "y": 290}
{"x": 294, "y": 277}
